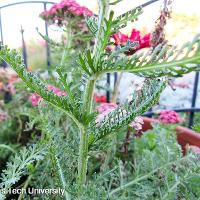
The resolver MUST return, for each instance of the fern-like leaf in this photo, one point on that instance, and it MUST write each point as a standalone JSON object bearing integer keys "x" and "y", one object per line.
{"x": 163, "y": 61}
{"x": 48, "y": 39}
{"x": 123, "y": 115}
{"x": 33, "y": 82}
{"x": 122, "y": 20}
{"x": 92, "y": 24}
{"x": 115, "y": 2}
{"x": 17, "y": 167}
{"x": 118, "y": 23}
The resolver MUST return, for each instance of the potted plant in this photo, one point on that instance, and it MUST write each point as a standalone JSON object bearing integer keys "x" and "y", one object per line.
{"x": 185, "y": 136}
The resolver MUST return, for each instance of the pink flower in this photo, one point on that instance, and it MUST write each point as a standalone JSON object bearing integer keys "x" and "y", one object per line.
{"x": 135, "y": 36}
{"x": 87, "y": 12}
{"x": 3, "y": 116}
{"x": 122, "y": 39}
{"x": 58, "y": 11}
{"x": 69, "y": 3}
{"x": 35, "y": 99}
{"x": 104, "y": 109}
{"x": 60, "y": 6}
{"x": 56, "y": 91}
{"x": 106, "y": 106}
{"x": 169, "y": 117}
{"x": 45, "y": 15}
{"x": 137, "y": 123}
{"x": 145, "y": 41}
{"x": 53, "y": 9}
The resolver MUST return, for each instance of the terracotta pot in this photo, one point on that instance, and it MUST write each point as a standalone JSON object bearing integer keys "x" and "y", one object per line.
{"x": 185, "y": 136}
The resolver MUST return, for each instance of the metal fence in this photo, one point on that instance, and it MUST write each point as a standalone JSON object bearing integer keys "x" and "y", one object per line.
{"x": 190, "y": 110}
{"x": 44, "y": 6}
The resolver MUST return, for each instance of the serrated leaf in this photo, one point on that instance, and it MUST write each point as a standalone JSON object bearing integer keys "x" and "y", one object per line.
{"x": 162, "y": 61}
{"x": 124, "y": 114}
{"x": 34, "y": 82}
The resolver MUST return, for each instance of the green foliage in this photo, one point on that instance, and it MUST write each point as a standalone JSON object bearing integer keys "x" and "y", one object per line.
{"x": 162, "y": 61}
{"x": 120, "y": 21}
{"x": 156, "y": 168}
{"x": 159, "y": 172}
{"x": 123, "y": 115}
{"x": 18, "y": 165}
{"x": 115, "y": 2}
{"x": 196, "y": 126}
{"x": 34, "y": 82}
{"x": 94, "y": 65}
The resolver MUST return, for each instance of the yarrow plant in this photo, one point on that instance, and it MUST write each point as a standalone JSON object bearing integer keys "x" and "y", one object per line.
{"x": 156, "y": 65}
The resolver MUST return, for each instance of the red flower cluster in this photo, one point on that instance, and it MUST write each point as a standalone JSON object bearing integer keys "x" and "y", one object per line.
{"x": 59, "y": 11}
{"x": 169, "y": 117}
{"x": 143, "y": 42}
{"x": 100, "y": 98}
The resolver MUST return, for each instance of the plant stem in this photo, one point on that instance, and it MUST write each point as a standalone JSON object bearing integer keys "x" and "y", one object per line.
{"x": 25, "y": 186}
{"x": 82, "y": 160}
{"x": 62, "y": 178}
{"x": 171, "y": 190}
{"x": 27, "y": 182}
{"x": 68, "y": 45}
{"x": 103, "y": 11}
{"x": 116, "y": 88}
{"x": 4, "y": 146}
{"x": 20, "y": 129}
{"x": 88, "y": 98}
{"x": 83, "y": 145}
